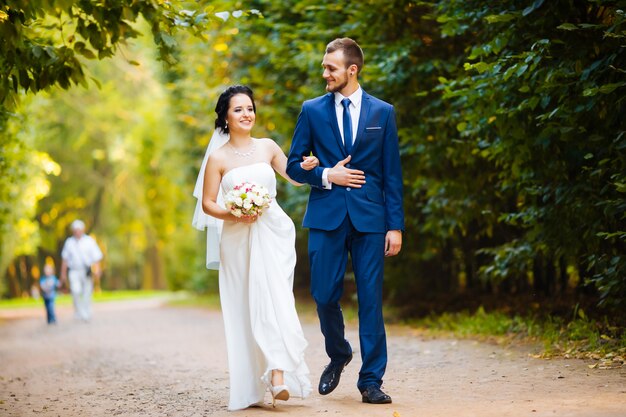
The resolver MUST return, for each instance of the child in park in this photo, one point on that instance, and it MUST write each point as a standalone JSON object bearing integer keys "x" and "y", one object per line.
{"x": 49, "y": 284}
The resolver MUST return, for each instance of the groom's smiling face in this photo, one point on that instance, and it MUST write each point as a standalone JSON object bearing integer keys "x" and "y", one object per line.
{"x": 335, "y": 71}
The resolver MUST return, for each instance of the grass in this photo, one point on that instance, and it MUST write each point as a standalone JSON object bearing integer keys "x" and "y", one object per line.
{"x": 66, "y": 299}
{"x": 579, "y": 337}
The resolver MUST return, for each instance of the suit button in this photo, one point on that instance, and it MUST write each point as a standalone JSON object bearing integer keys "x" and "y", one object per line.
{"x": 348, "y": 189}
{"x": 347, "y": 165}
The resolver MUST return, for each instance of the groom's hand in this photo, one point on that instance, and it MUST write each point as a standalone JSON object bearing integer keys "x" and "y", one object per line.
{"x": 393, "y": 242}
{"x": 347, "y": 177}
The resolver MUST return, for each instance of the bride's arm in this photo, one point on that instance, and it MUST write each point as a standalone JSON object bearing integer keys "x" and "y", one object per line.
{"x": 279, "y": 163}
{"x": 212, "y": 181}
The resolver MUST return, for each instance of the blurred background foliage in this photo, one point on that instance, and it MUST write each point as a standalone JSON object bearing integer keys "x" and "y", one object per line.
{"x": 511, "y": 119}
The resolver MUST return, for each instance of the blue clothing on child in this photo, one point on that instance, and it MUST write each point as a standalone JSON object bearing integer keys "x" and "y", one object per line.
{"x": 49, "y": 285}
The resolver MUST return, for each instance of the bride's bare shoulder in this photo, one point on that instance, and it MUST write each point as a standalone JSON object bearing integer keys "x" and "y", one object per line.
{"x": 219, "y": 158}
{"x": 267, "y": 143}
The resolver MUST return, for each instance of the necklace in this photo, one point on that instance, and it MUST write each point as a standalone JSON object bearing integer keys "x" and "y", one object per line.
{"x": 243, "y": 154}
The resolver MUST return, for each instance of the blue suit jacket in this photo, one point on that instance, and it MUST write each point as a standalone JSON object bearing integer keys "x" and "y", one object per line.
{"x": 377, "y": 206}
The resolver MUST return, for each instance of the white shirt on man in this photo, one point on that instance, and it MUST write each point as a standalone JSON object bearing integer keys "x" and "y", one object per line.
{"x": 355, "y": 113}
{"x": 81, "y": 253}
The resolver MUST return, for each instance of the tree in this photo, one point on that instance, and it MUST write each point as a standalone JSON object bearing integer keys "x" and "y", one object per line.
{"x": 541, "y": 100}
{"x": 46, "y": 44}
{"x": 510, "y": 126}
{"x": 510, "y": 123}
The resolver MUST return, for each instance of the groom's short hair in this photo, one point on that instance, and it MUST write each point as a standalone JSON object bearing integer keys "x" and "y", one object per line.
{"x": 351, "y": 51}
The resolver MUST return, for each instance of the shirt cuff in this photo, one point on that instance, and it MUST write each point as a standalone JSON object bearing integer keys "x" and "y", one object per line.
{"x": 327, "y": 185}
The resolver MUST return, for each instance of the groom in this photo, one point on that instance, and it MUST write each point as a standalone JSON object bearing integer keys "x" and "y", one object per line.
{"x": 355, "y": 207}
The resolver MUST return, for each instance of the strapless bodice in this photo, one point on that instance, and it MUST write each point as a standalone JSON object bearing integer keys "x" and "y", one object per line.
{"x": 260, "y": 173}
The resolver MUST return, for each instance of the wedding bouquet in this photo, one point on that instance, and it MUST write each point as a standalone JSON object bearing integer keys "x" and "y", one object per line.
{"x": 247, "y": 199}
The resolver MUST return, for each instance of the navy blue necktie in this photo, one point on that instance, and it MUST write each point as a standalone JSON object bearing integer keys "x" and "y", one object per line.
{"x": 347, "y": 126}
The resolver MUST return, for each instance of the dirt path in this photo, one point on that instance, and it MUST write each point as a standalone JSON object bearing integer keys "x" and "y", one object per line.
{"x": 142, "y": 359}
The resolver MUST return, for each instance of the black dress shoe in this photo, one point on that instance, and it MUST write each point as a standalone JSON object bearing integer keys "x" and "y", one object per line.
{"x": 330, "y": 377}
{"x": 374, "y": 395}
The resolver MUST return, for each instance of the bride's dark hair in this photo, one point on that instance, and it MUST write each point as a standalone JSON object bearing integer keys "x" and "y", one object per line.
{"x": 221, "y": 108}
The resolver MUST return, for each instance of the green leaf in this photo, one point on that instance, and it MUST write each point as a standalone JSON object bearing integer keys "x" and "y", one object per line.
{"x": 533, "y": 101}
{"x": 498, "y": 44}
{"x": 84, "y": 51}
{"x": 479, "y": 66}
{"x": 609, "y": 88}
{"x": 590, "y": 26}
{"x": 498, "y": 18}
{"x": 604, "y": 89}
{"x": 567, "y": 26}
{"x": 37, "y": 51}
{"x": 509, "y": 72}
{"x": 96, "y": 82}
{"x": 521, "y": 70}
{"x": 168, "y": 40}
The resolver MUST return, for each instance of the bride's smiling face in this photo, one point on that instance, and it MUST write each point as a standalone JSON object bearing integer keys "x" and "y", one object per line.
{"x": 241, "y": 116}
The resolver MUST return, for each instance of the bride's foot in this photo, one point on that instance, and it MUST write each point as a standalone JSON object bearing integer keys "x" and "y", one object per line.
{"x": 279, "y": 392}
{"x": 277, "y": 387}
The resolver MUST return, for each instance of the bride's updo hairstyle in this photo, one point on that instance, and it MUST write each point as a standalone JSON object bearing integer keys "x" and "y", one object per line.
{"x": 223, "y": 102}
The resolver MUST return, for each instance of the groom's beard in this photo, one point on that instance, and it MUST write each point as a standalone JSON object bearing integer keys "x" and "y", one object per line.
{"x": 337, "y": 87}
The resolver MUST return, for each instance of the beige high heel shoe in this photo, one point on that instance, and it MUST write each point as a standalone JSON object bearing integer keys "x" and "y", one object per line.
{"x": 279, "y": 392}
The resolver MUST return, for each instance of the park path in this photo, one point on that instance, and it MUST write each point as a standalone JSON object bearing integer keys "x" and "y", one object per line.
{"x": 142, "y": 358}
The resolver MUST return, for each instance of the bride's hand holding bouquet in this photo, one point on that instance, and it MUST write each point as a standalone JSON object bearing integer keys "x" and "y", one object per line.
{"x": 247, "y": 201}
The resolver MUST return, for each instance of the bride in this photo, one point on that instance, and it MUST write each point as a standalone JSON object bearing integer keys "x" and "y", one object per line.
{"x": 256, "y": 258}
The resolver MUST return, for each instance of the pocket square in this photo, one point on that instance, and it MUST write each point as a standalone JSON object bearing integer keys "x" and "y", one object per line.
{"x": 373, "y": 128}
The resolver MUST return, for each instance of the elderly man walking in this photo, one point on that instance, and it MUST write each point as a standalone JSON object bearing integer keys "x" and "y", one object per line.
{"x": 81, "y": 258}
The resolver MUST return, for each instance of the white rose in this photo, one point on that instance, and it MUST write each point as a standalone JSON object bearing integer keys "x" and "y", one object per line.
{"x": 237, "y": 213}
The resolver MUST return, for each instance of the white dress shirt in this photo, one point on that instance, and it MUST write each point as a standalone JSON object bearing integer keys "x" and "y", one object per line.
{"x": 355, "y": 111}
{"x": 355, "y": 114}
{"x": 81, "y": 253}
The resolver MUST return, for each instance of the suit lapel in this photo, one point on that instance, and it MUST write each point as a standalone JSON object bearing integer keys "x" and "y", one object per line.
{"x": 365, "y": 110}
{"x": 332, "y": 118}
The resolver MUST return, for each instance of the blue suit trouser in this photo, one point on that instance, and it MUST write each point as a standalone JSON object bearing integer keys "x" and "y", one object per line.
{"x": 328, "y": 255}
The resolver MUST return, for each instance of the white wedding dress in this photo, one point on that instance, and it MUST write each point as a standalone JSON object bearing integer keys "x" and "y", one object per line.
{"x": 263, "y": 331}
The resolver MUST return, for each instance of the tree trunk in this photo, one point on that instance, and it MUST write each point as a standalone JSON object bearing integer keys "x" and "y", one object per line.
{"x": 14, "y": 284}
{"x": 153, "y": 270}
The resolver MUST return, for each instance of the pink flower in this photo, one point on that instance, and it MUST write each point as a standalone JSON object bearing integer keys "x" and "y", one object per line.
{"x": 247, "y": 199}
